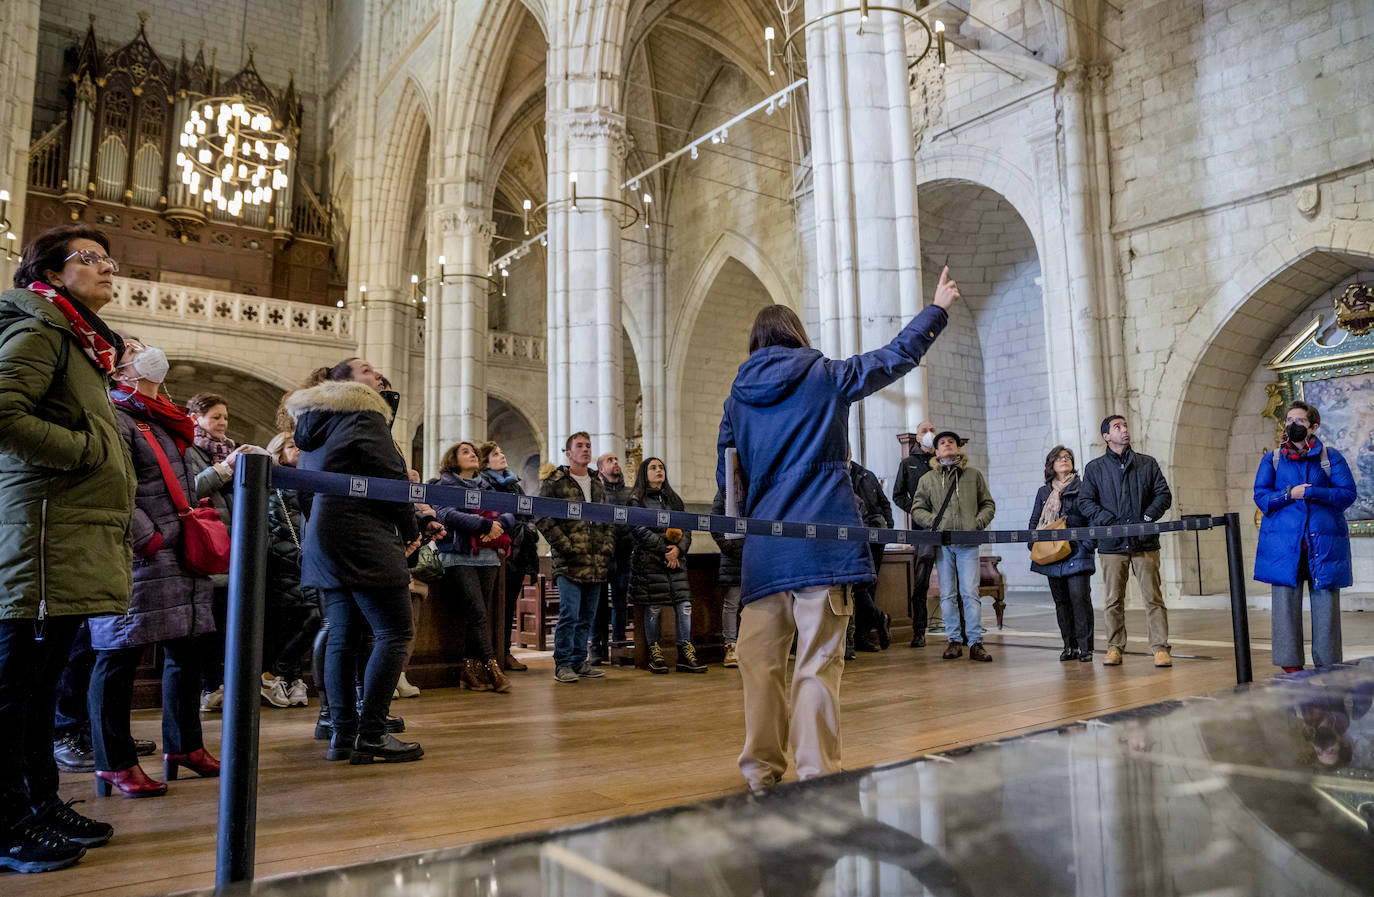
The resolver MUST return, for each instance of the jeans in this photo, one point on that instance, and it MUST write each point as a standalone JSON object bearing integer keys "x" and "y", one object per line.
{"x": 73, "y": 714}
{"x": 1073, "y": 608}
{"x": 387, "y": 612}
{"x": 957, "y": 567}
{"x": 294, "y": 630}
{"x": 653, "y": 621}
{"x": 29, "y": 669}
{"x": 472, "y": 587}
{"x": 731, "y": 615}
{"x": 576, "y": 610}
{"x": 112, "y": 696}
{"x": 212, "y": 643}
{"x": 612, "y": 613}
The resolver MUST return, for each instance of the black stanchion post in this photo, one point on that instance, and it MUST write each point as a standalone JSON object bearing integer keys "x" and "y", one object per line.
{"x": 1240, "y": 618}
{"x": 238, "y": 784}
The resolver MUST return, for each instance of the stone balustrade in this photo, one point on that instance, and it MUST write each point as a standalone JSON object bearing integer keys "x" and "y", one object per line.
{"x": 235, "y": 312}
{"x": 517, "y": 349}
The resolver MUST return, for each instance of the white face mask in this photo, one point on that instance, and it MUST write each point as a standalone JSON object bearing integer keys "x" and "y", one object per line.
{"x": 928, "y": 440}
{"x": 151, "y": 364}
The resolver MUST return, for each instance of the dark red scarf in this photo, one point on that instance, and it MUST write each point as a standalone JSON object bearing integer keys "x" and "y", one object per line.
{"x": 96, "y": 347}
{"x": 161, "y": 411}
{"x": 1293, "y": 453}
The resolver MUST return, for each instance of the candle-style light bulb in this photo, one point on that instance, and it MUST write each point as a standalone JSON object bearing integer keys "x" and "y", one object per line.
{"x": 940, "y": 42}
{"x": 572, "y": 183}
{"x": 768, "y": 35}
{"x": 526, "y": 205}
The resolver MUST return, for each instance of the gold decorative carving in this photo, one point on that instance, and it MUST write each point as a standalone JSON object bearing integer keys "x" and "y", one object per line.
{"x": 1355, "y": 309}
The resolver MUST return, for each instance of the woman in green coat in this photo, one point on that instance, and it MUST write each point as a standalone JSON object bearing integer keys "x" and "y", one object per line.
{"x": 66, "y": 496}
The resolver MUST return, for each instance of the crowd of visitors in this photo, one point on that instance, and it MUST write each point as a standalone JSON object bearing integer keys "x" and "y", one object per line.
{"x": 132, "y": 491}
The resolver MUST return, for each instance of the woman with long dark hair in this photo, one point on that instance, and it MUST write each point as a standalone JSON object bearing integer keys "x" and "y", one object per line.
{"x": 354, "y": 552}
{"x": 787, "y": 415}
{"x": 658, "y": 569}
{"x": 1070, "y": 577}
{"x": 522, "y": 561}
{"x": 67, "y": 490}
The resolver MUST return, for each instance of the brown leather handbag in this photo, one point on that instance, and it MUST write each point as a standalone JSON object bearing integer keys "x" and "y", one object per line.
{"x": 1050, "y": 552}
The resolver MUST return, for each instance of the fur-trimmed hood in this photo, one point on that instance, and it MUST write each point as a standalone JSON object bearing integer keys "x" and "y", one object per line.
{"x": 319, "y": 409}
{"x": 937, "y": 466}
{"x": 338, "y": 396}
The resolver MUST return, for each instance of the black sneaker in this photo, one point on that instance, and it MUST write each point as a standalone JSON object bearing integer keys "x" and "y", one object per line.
{"x": 74, "y": 754}
{"x": 30, "y": 846}
{"x": 71, "y": 825}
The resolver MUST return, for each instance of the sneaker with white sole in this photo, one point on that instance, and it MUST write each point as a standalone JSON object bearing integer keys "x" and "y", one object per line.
{"x": 405, "y": 690}
{"x": 565, "y": 674}
{"x": 212, "y": 701}
{"x": 274, "y": 691}
{"x": 297, "y": 694}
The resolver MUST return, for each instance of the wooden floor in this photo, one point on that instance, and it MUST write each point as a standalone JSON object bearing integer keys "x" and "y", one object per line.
{"x": 549, "y": 755}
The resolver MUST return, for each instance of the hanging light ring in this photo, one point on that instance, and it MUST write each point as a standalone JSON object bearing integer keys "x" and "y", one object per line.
{"x": 863, "y": 11}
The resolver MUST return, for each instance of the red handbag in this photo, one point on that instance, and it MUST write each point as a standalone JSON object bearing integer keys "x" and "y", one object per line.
{"x": 204, "y": 537}
{"x": 500, "y": 543}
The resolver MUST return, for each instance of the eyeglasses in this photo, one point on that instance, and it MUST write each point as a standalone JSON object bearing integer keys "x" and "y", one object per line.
{"x": 91, "y": 257}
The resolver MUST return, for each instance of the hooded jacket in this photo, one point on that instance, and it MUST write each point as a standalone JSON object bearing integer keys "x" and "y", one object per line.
{"x": 350, "y": 543}
{"x": 970, "y": 508}
{"x": 1125, "y": 488}
{"x": 788, "y": 416}
{"x": 582, "y": 551}
{"x": 66, "y": 481}
{"x": 1316, "y": 521}
{"x": 169, "y": 601}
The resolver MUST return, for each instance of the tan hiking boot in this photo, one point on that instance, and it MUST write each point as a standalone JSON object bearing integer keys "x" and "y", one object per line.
{"x": 1162, "y": 659}
{"x": 1113, "y": 658}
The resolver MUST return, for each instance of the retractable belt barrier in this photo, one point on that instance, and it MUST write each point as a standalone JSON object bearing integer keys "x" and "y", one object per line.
{"x": 599, "y": 512}
{"x": 254, "y": 475}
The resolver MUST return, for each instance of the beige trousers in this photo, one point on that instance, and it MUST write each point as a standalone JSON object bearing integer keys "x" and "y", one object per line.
{"x": 1145, "y": 566}
{"x": 818, "y": 617}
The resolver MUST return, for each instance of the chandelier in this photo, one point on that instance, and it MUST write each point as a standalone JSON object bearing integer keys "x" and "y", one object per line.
{"x": 232, "y": 155}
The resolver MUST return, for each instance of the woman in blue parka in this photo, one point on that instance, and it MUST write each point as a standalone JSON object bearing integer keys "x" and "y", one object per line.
{"x": 1070, "y": 578}
{"x": 1303, "y": 490}
{"x": 788, "y": 417}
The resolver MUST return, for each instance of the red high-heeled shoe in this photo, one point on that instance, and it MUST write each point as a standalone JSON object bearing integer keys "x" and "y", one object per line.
{"x": 133, "y": 782}
{"x": 198, "y": 761}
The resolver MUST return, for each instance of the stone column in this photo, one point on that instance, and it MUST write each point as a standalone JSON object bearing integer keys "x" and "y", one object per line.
{"x": 868, "y": 266}
{"x": 456, "y": 350}
{"x": 18, "y": 66}
{"x": 586, "y": 367}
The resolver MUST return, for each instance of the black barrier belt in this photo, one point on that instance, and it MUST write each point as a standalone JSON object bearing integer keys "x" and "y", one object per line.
{"x": 472, "y": 500}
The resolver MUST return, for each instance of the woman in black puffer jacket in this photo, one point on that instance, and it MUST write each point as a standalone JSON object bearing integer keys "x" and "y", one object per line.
{"x": 658, "y": 576}
{"x": 354, "y": 552}
{"x": 293, "y": 611}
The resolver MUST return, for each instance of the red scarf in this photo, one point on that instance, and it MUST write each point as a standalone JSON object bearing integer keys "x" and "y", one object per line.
{"x": 1293, "y": 453}
{"x": 104, "y": 355}
{"x": 174, "y": 420}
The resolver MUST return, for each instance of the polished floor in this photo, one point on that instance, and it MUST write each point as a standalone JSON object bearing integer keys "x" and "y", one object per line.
{"x": 549, "y": 756}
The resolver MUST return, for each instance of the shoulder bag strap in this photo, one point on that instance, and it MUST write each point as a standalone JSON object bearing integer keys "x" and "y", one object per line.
{"x": 173, "y": 487}
{"x": 948, "y": 495}
{"x": 286, "y": 515}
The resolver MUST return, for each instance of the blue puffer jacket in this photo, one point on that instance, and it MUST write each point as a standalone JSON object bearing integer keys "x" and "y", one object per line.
{"x": 1081, "y": 559}
{"x": 1319, "y": 518}
{"x": 788, "y": 416}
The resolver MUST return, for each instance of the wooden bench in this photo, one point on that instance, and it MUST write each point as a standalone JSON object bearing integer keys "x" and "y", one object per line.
{"x": 536, "y": 614}
{"x": 992, "y": 583}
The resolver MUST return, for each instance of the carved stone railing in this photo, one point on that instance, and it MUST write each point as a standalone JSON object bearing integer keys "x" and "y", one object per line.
{"x": 231, "y": 311}
{"x": 517, "y": 349}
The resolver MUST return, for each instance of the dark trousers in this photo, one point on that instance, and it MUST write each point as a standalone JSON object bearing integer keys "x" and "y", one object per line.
{"x": 73, "y": 714}
{"x": 515, "y": 585}
{"x": 291, "y": 631}
{"x": 112, "y": 697}
{"x": 29, "y": 669}
{"x": 866, "y": 614}
{"x": 1073, "y": 608}
{"x": 387, "y": 612}
{"x": 472, "y": 588}
{"x": 612, "y": 610}
{"x": 212, "y": 643}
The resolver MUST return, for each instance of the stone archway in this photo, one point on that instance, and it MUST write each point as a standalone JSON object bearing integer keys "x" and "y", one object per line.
{"x": 519, "y": 440}
{"x": 991, "y": 381}
{"x": 252, "y": 402}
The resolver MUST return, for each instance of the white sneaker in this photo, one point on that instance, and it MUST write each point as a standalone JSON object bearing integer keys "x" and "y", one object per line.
{"x": 274, "y": 691}
{"x": 297, "y": 694}
{"x": 405, "y": 690}
{"x": 211, "y": 701}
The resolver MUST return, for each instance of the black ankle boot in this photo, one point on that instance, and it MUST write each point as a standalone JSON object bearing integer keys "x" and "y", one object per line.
{"x": 340, "y": 744}
{"x": 386, "y": 749}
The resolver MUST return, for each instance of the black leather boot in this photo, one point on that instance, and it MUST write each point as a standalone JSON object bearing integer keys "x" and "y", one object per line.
{"x": 341, "y": 744}
{"x": 386, "y": 749}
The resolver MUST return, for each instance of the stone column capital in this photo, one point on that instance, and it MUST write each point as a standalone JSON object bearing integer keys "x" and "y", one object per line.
{"x": 466, "y": 222}
{"x": 589, "y": 127}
